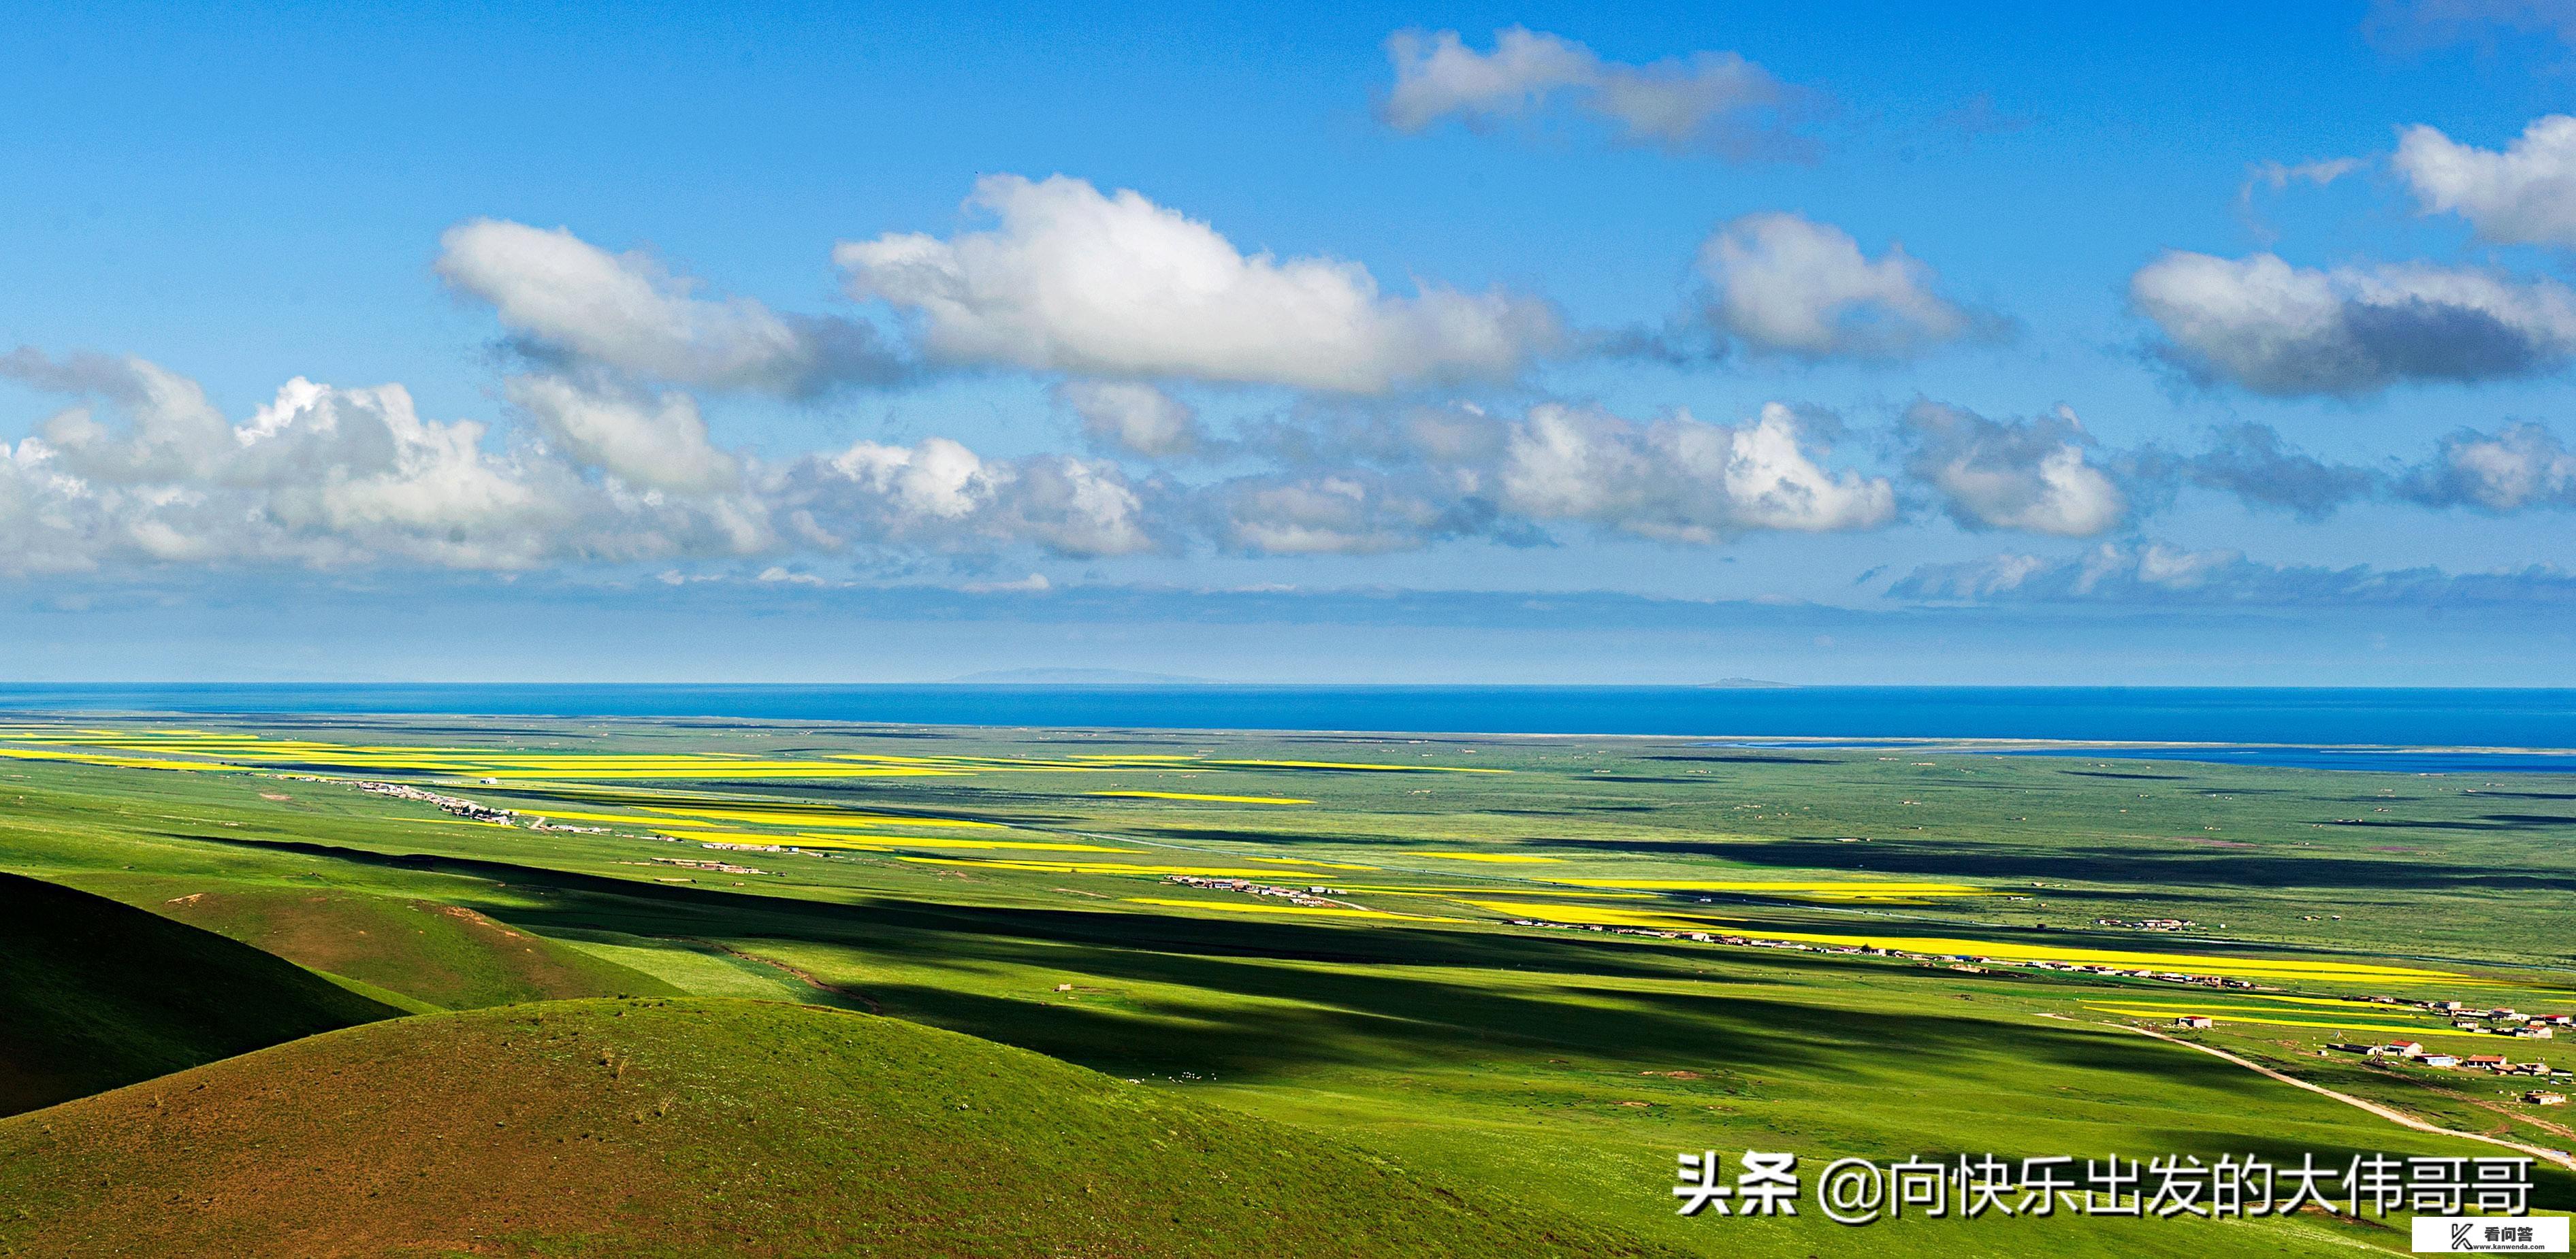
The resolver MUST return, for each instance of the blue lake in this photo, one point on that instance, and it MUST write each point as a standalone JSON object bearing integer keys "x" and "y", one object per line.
{"x": 2317, "y": 728}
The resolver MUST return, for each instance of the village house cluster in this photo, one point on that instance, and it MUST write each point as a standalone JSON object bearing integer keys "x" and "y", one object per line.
{"x": 2415, "y": 1052}
{"x": 686, "y": 863}
{"x": 541, "y": 824}
{"x": 456, "y": 805}
{"x": 2502, "y": 1020}
{"x": 2497, "y": 1021}
{"x": 1308, "y": 896}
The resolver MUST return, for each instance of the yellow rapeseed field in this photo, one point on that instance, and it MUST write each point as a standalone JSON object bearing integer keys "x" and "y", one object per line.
{"x": 1186, "y": 795}
{"x": 2412, "y": 1031}
{"x": 1107, "y": 867}
{"x": 1305, "y": 911}
{"x": 1828, "y": 889}
{"x": 1946, "y": 946}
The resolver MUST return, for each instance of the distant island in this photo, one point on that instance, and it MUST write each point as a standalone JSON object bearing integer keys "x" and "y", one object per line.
{"x": 1078, "y": 677}
{"x": 1747, "y": 684}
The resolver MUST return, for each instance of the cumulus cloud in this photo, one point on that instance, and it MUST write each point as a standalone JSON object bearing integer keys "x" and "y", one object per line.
{"x": 658, "y": 442}
{"x": 1679, "y": 479}
{"x": 2522, "y": 195}
{"x": 2276, "y": 329}
{"x": 142, "y": 470}
{"x": 1069, "y": 279}
{"x": 569, "y": 300}
{"x": 2159, "y": 575}
{"x": 2519, "y": 466}
{"x": 939, "y": 495}
{"x": 1405, "y": 479}
{"x": 2029, "y": 475}
{"x": 146, "y": 470}
{"x": 1133, "y": 417}
{"x": 1709, "y": 101}
{"x": 1784, "y": 284}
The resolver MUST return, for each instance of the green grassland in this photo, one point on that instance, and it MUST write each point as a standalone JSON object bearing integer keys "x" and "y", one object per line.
{"x": 696, "y": 1127}
{"x": 94, "y": 995}
{"x": 444, "y": 956}
{"x": 998, "y": 884}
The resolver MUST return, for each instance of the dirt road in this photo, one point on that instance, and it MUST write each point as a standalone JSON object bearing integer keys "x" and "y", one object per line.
{"x": 2560, "y": 1157}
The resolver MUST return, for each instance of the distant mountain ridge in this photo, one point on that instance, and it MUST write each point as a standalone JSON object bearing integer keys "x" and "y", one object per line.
{"x": 1080, "y": 677}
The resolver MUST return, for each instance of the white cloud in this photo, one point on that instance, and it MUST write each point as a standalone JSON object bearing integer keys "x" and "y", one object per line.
{"x": 1709, "y": 100}
{"x": 426, "y": 480}
{"x": 148, "y": 471}
{"x": 2525, "y": 194}
{"x": 168, "y": 430}
{"x": 1033, "y": 584}
{"x": 2278, "y": 329}
{"x": 1133, "y": 417}
{"x": 2520, "y": 466}
{"x": 1356, "y": 511}
{"x": 1340, "y": 513}
{"x": 942, "y": 496}
{"x": 1427, "y": 474}
{"x": 1679, "y": 479}
{"x": 570, "y": 298}
{"x": 1069, "y": 279}
{"x": 2029, "y": 475}
{"x": 145, "y": 471}
{"x": 2278, "y": 175}
{"x": 659, "y": 442}
{"x": 1438, "y": 75}
{"x": 1784, "y": 284}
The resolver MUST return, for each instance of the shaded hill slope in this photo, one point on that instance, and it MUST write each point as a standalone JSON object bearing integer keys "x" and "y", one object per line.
{"x": 702, "y": 1126}
{"x": 445, "y": 955}
{"x": 95, "y": 994}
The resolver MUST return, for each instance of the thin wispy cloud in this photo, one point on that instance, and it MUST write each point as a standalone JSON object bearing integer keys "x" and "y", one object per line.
{"x": 2163, "y": 576}
{"x": 1716, "y": 103}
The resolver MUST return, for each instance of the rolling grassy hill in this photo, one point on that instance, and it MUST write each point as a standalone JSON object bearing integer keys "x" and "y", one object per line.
{"x": 445, "y": 955}
{"x": 95, "y": 994}
{"x": 651, "y": 1127}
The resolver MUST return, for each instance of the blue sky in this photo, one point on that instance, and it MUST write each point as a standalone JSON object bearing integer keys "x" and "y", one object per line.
{"x": 1867, "y": 343}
